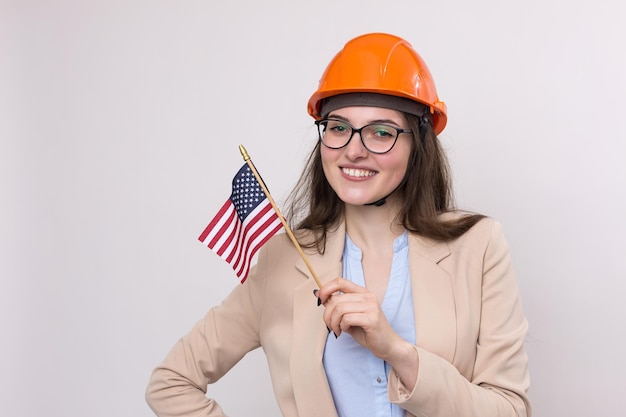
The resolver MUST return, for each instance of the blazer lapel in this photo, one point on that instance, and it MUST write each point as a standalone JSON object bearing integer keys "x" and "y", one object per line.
{"x": 433, "y": 297}
{"x": 310, "y": 386}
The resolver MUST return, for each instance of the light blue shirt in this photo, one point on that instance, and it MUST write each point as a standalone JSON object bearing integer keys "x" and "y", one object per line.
{"x": 357, "y": 378}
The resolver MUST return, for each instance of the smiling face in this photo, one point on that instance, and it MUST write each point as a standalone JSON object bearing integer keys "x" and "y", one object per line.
{"x": 358, "y": 176}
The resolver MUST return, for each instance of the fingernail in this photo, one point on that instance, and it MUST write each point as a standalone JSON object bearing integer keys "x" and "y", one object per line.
{"x": 315, "y": 292}
{"x": 335, "y": 335}
{"x": 328, "y": 328}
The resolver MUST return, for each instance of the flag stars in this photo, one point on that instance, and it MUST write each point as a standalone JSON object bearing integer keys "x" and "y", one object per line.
{"x": 247, "y": 193}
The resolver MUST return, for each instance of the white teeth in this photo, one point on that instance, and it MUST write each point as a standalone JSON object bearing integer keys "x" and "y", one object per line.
{"x": 357, "y": 172}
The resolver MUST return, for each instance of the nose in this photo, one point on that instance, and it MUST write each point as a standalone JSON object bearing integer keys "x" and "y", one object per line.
{"x": 355, "y": 148}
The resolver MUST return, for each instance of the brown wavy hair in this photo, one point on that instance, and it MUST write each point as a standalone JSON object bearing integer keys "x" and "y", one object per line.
{"x": 426, "y": 193}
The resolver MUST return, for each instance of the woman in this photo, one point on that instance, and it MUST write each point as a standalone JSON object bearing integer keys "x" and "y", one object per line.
{"x": 419, "y": 311}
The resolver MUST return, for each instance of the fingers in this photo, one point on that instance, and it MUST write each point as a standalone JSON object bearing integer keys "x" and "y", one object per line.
{"x": 341, "y": 314}
{"x": 353, "y": 309}
{"x": 336, "y": 287}
{"x": 347, "y": 306}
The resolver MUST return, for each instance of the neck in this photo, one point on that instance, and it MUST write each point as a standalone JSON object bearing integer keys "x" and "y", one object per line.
{"x": 372, "y": 226}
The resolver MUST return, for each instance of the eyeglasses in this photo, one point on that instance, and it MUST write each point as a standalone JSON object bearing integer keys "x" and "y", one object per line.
{"x": 376, "y": 137}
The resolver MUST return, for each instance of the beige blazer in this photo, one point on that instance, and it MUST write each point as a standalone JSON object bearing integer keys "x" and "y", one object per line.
{"x": 469, "y": 325}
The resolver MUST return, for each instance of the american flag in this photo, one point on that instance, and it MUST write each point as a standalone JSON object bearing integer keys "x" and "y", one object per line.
{"x": 244, "y": 223}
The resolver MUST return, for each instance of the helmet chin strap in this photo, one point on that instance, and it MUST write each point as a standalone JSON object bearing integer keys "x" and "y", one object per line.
{"x": 378, "y": 203}
{"x": 383, "y": 200}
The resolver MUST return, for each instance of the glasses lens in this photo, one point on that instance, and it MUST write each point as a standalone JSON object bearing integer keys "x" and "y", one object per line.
{"x": 379, "y": 138}
{"x": 334, "y": 133}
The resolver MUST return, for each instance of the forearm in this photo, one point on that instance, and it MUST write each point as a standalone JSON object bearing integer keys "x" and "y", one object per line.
{"x": 405, "y": 365}
{"x": 216, "y": 343}
{"x": 177, "y": 387}
{"x": 170, "y": 394}
{"x": 441, "y": 391}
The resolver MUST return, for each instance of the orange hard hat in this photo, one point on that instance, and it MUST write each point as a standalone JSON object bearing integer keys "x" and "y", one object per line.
{"x": 384, "y": 64}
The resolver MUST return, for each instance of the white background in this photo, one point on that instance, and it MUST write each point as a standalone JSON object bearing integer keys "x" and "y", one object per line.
{"x": 119, "y": 127}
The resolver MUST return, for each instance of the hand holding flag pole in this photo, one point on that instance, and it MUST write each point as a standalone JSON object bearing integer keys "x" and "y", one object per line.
{"x": 246, "y": 158}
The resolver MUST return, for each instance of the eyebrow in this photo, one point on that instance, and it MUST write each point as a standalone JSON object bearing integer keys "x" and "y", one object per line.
{"x": 377, "y": 121}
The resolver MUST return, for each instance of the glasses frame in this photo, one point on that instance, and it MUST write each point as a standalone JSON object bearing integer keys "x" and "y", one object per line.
{"x": 354, "y": 130}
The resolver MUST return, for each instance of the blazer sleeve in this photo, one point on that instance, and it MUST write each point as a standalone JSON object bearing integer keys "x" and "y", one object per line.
{"x": 500, "y": 380}
{"x": 178, "y": 386}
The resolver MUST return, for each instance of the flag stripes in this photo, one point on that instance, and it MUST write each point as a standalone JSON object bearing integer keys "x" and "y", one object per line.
{"x": 242, "y": 225}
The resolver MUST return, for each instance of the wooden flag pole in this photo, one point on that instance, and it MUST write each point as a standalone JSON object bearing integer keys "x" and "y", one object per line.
{"x": 246, "y": 158}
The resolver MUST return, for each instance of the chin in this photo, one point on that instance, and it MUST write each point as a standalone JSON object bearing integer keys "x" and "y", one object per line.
{"x": 359, "y": 201}
{"x": 360, "y": 196}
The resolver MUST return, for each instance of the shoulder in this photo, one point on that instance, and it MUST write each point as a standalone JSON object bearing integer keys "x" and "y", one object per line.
{"x": 469, "y": 248}
{"x": 484, "y": 229}
{"x": 481, "y": 245}
{"x": 282, "y": 242}
{"x": 316, "y": 242}
{"x": 278, "y": 246}
{"x": 280, "y": 250}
